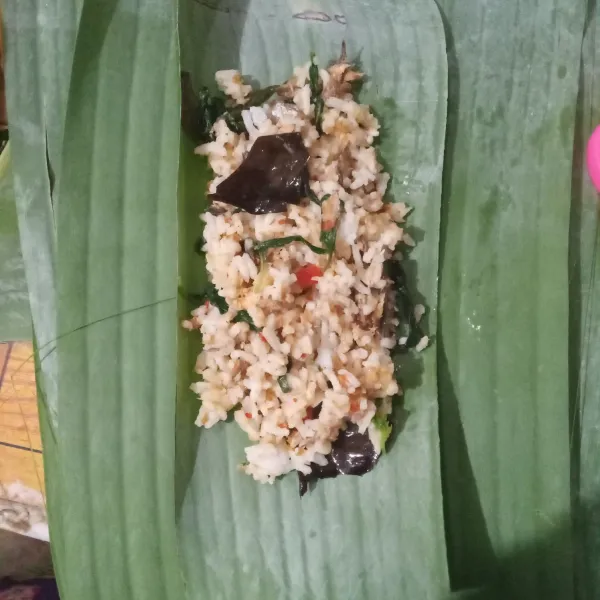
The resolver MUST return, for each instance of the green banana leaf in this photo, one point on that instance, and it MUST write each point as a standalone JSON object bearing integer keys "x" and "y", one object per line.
{"x": 116, "y": 232}
{"x": 381, "y": 535}
{"x": 584, "y": 325}
{"x": 39, "y": 44}
{"x": 15, "y": 318}
{"x": 503, "y": 336}
{"x": 93, "y": 558}
{"x": 114, "y": 223}
{"x": 39, "y": 39}
{"x": 519, "y": 318}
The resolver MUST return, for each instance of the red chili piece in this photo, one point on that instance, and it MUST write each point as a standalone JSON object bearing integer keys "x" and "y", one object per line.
{"x": 309, "y": 414}
{"x": 306, "y": 276}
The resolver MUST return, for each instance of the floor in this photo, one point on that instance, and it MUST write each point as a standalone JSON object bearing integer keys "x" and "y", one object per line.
{"x": 20, "y": 442}
{"x": 22, "y": 501}
{"x": 22, "y": 557}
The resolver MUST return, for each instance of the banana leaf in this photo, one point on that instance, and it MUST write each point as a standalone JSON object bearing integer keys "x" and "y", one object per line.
{"x": 381, "y": 535}
{"x": 519, "y": 317}
{"x": 116, "y": 267}
{"x": 39, "y": 39}
{"x": 129, "y": 550}
{"x": 15, "y": 318}
{"x": 111, "y": 264}
{"x": 39, "y": 46}
{"x": 503, "y": 336}
{"x": 584, "y": 325}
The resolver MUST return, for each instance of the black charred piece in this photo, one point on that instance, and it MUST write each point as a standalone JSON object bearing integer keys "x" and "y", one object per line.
{"x": 352, "y": 453}
{"x": 273, "y": 175}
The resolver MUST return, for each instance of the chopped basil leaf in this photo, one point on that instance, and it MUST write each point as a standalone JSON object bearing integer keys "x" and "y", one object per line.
{"x": 384, "y": 427}
{"x": 194, "y": 299}
{"x": 284, "y": 384}
{"x": 261, "y": 247}
{"x": 200, "y": 111}
{"x": 313, "y": 76}
{"x": 233, "y": 116}
{"x": 212, "y": 295}
{"x": 319, "y": 106}
{"x": 244, "y": 317}
{"x": 261, "y": 281}
{"x": 234, "y": 121}
{"x": 314, "y": 198}
{"x": 316, "y": 89}
{"x": 260, "y": 96}
{"x": 328, "y": 239}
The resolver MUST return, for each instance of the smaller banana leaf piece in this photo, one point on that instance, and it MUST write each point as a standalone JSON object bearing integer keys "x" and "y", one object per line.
{"x": 376, "y": 536}
{"x": 584, "y": 325}
{"x": 502, "y": 343}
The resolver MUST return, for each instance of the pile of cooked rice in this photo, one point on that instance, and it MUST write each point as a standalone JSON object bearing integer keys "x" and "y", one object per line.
{"x": 322, "y": 332}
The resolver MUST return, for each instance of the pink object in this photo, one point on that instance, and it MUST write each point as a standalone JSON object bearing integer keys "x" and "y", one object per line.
{"x": 593, "y": 158}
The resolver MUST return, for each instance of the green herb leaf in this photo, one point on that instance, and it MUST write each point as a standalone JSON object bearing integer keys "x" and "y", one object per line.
{"x": 316, "y": 88}
{"x": 199, "y": 112}
{"x": 194, "y": 299}
{"x": 211, "y": 295}
{"x": 233, "y": 116}
{"x": 210, "y": 108}
{"x": 261, "y": 280}
{"x": 234, "y": 121}
{"x": 319, "y": 106}
{"x": 328, "y": 239}
{"x": 244, "y": 317}
{"x": 261, "y": 247}
{"x": 314, "y": 198}
{"x": 313, "y": 76}
{"x": 384, "y": 427}
{"x": 260, "y": 96}
{"x": 328, "y": 236}
{"x": 284, "y": 384}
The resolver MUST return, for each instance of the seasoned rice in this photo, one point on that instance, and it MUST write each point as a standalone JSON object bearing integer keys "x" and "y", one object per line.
{"x": 326, "y": 340}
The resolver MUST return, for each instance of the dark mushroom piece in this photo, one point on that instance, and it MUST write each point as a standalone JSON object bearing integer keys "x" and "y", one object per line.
{"x": 273, "y": 175}
{"x": 352, "y": 453}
